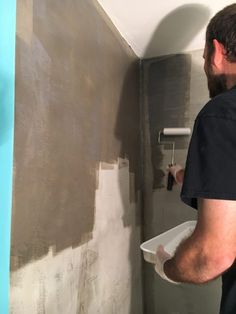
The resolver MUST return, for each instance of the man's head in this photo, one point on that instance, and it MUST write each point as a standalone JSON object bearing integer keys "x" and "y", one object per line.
{"x": 220, "y": 51}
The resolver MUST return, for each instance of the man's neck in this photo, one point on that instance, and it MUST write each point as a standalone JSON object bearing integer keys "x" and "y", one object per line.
{"x": 231, "y": 84}
{"x": 231, "y": 75}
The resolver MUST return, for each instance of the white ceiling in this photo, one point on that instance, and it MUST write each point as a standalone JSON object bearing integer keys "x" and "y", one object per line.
{"x": 154, "y": 27}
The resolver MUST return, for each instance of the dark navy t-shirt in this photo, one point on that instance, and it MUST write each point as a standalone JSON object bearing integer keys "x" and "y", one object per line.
{"x": 210, "y": 170}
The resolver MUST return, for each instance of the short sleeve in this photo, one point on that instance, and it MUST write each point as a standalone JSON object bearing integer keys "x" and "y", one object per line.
{"x": 210, "y": 170}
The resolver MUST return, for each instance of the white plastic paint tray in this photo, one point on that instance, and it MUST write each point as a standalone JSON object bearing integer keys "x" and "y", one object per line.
{"x": 169, "y": 239}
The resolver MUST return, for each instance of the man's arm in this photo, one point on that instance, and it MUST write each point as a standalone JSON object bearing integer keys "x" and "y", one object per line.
{"x": 211, "y": 249}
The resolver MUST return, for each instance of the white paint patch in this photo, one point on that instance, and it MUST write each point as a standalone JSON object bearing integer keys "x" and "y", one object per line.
{"x": 102, "y": 276}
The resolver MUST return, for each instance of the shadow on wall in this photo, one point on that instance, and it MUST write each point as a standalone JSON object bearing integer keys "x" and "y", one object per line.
{"x": 127, "y": 129}
{"x": 168, "y": 84}
{"x": 129, "y": 133}
{"x": 168, "y": 91}
{"x": 177, "y": 30}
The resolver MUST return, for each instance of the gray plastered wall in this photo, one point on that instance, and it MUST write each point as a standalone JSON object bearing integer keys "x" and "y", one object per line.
{"x": 77, "y": 124}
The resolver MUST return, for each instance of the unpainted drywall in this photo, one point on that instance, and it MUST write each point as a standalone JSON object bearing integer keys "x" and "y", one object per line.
{"x": 77, "y": 105}
{"x": 175, "y": 90}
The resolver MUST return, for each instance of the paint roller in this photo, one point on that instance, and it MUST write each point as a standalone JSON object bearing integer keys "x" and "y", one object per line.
{"x": 172, "y": 132}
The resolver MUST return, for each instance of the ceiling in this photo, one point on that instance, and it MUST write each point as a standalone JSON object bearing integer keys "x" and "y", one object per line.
{"x": 154, "y": 27}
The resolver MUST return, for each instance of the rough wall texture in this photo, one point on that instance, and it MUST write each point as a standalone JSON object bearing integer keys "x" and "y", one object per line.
{"x": 174, "y": 89}
{"x": 77, "y": 108}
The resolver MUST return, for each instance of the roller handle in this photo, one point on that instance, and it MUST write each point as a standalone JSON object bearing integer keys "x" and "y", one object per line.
{"x": 170, "y": 181}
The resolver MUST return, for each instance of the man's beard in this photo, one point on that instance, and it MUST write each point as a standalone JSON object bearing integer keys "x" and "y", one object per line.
{"x": 217, "y": 84}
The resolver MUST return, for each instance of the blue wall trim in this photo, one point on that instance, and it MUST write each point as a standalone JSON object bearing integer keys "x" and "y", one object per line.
{"x": 7, "y": 91}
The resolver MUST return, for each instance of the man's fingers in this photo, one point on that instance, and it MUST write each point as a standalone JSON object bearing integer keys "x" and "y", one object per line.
{"x": 174, "y": 169}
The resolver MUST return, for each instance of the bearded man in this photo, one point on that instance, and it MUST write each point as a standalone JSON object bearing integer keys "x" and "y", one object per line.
{"x": 209, "y": 177}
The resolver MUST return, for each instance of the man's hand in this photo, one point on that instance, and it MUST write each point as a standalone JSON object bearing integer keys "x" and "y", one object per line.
{"x": 177, "y": 172}
{"x": 161, "y": 257}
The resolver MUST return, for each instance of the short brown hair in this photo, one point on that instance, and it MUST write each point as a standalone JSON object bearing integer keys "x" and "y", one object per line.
{"x": 222, "y": 27}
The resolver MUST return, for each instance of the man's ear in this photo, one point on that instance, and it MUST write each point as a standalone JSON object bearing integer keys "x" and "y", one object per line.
{"x": 218, "y": 57}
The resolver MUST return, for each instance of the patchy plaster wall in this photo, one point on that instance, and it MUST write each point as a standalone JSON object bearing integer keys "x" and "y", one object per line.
{"x": 174, "y": 91}
{"x": 77, "y": 108}
{"x": 100, "y": 276}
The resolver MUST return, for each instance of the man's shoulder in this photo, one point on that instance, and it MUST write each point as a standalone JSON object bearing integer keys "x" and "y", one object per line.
{"x": 221, "y": 106}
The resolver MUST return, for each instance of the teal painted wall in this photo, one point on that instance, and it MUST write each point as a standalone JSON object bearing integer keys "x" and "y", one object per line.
{"x": 7, "y": 83}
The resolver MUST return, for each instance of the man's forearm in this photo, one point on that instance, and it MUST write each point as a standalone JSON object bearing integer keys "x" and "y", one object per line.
{"x": 210, "y": 250}
{"x": 193, "y": 264}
